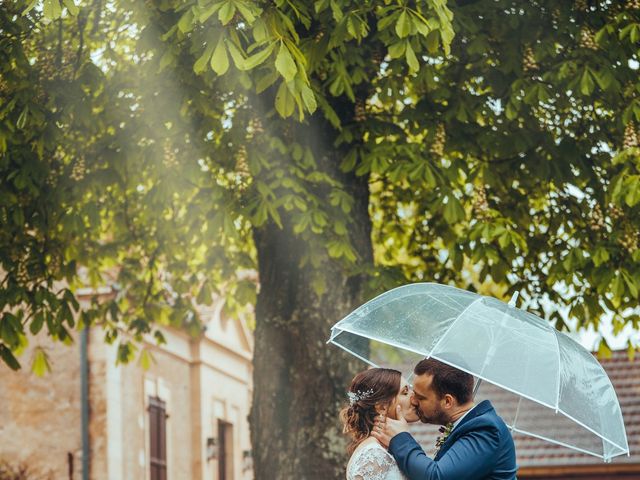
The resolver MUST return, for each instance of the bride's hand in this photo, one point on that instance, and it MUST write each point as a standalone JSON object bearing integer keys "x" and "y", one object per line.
{"x": 384, "y": 429}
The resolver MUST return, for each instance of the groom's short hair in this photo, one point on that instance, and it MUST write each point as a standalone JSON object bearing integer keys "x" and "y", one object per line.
{"x": 447, "y": 379}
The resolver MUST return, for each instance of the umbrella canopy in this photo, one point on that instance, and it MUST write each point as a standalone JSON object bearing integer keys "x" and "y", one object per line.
{"x": 552, "y": 380}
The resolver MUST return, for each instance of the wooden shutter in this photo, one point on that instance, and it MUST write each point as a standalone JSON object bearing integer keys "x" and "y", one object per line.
{"x": 158, "y": 438}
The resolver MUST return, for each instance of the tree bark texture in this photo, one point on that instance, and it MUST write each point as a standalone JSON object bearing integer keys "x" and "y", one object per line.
{"x": 300, "y": 382}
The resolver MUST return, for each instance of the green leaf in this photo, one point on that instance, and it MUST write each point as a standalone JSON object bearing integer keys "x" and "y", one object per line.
{"x": 22, "y": 119}
{"x": 603, "y": 349}
{"x": 617, "y": 285}
{"x": 274, "y": 214}
{"x": 633, "y": 193}
{"x": 228, "y": 9}
{"x": 351, "y": 27}
{"x": 604, "y": 78}
{"x": 32, "y": 4}
{"x": 237, "y": 56}
{"x": 285, "y": 63}
{"x": 246, "y": 292}
{"x": 205, "y": 295}
{"x": 51, "y": 9}
{"x": 453, "y": 211}
{"x": 285, "y": 103}
{"x": 260, "y": 32}
{"x": 8, "y": 358}
{"x": 396, "y": 50}
{"x": 185, "y": 24}
{"x": 412, "y": 61}
{"x": 385, "y": 22}
{"x": 336, "y": 11}
{"x": 329, "y": 113}
{"x": 246, "y": 12}
{"x": 631, "y": 350}
{"x": 634, "y": 35}
{"x": 146, "y": 359}
{"x": 219, "y": 59}
{"x": 204, "y": 15}
{"x": 433, "y": 41}
{"x": 308, "y": 97}
{"x": 600, "y": 256}
{"x": 71, "y": 7}
{"x": 266, "y": 81}
{"x": 504, "y": 240}
{"x": 403, "y": 25}
{"x": 258, "y": 58}
{"x": 201, "y": 64}
{"x": 40, "y": 365}
{"x": 421, "y": 26}
{"x": 37, "y": 322}
{"x": 586, "y": 82}
{"x": 125, "y": 353}
{"x": 631, "y": 283}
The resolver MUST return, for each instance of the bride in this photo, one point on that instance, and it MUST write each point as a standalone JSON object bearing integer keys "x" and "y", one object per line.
{"x": 377, "y": 391}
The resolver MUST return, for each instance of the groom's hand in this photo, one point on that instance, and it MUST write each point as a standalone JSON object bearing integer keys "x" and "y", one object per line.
{"x": 384, "y": 429}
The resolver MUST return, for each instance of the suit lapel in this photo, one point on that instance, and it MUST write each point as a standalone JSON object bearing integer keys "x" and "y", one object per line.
{"x": 480, "y": 409}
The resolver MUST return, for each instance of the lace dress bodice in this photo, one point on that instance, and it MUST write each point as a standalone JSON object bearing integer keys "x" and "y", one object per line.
{"x": 373, "y": 462}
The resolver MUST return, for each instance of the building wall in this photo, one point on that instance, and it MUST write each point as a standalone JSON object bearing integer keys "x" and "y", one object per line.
{"x": 201, "y": 381}
{"x": 99, "y": 357}
{"x": 168, "y": 379}
{"x": 225, "y": 398}
{"x": 39, "y": 420}
{"x": 224, "y": 363}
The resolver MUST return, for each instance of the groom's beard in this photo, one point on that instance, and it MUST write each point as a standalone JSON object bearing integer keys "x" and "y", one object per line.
{"x": 438, "y": 419}
{"x": 421, "y": 416}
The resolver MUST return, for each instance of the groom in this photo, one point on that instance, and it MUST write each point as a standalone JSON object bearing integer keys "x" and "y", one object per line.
{"x": 478, "y": 445}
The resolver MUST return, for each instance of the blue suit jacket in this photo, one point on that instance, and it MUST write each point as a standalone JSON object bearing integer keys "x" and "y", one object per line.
{"x": 480, "y": 447}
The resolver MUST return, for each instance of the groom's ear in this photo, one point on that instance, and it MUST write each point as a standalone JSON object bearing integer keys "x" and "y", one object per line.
{"x": 449, "y": 400}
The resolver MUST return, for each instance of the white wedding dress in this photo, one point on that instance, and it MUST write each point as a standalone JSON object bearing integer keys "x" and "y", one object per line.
{"x": 372, "y": 462}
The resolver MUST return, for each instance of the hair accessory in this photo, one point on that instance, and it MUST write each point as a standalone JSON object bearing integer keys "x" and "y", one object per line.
{"x": 355, "y": 397}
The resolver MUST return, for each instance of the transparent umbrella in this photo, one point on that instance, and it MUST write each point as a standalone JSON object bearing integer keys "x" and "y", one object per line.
{"x": 550, "y": 386}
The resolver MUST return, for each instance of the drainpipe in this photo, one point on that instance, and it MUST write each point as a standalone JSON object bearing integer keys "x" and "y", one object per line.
{"x": 84, "y": 400}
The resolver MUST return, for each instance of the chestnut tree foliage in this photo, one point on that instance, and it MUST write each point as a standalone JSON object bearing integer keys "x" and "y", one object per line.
{"x": 338, "y": 147}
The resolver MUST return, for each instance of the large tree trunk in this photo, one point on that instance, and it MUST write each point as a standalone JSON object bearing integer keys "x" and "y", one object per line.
{"x": 300, "y": 382}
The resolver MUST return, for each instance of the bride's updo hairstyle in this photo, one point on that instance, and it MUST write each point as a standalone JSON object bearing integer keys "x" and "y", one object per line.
{"x": 376, "y": 386}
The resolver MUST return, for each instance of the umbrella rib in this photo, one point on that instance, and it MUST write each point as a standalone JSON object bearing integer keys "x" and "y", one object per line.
{"x": 453, "y": 324}
{"x": 571, "y": 417}
{"x": 449, "y": 297}
{"x": 381, "y": 340}
{"x": 555, "y": 336}
{"x": 354, "y": 354}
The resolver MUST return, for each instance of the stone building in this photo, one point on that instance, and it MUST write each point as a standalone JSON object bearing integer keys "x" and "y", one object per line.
{"x": 183, "y": 418}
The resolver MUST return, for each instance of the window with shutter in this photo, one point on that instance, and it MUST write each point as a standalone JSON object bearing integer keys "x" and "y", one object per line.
{"x": 158, "y": 440}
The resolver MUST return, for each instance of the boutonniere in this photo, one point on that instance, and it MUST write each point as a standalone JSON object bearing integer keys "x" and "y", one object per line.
{"x": 445, "y": 431}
